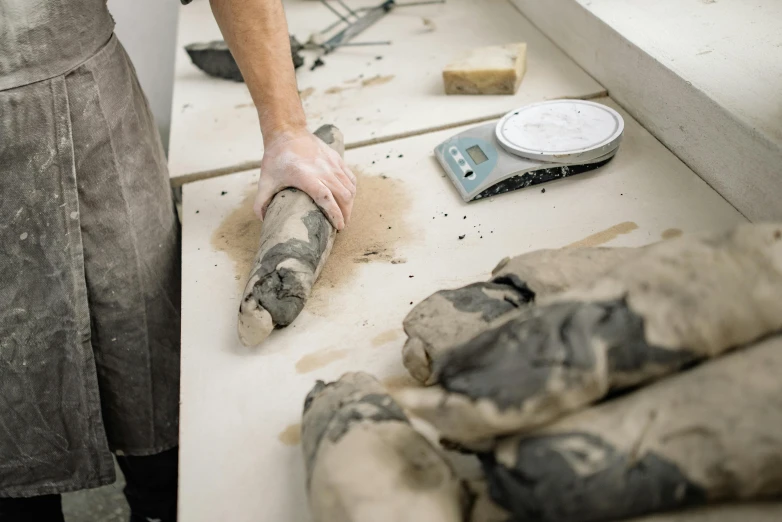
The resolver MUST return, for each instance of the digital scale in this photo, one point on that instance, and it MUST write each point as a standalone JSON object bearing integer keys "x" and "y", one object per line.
{"x": 531, "y": 145}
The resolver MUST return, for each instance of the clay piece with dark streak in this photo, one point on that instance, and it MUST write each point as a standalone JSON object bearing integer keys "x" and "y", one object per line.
{"x": 296, "y": 240}
{"x": 676, "y": 303}
{"x": 364, "y": 460}
{"x": 215, "y": 59}
{"x": 712, "y": 434}
{"x": 449, "y": 318}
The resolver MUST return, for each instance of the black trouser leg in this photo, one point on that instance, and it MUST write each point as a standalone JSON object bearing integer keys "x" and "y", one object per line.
{"x": 151, "y": 486}
{"x": 46, "y": 508}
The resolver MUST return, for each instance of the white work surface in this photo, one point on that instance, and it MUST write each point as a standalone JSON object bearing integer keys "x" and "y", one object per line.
{"x": 238, "y": 457}
{"x": 703, "y": 76}
{"x": 214, "y": 123}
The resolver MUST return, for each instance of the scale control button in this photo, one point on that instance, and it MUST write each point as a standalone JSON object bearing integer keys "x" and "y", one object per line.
{"x": 454, "y": 151}
{"x": 461, "y": 162}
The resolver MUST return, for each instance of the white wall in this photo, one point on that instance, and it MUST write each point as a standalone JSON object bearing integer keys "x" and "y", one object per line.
{"x": 147, "y": 29}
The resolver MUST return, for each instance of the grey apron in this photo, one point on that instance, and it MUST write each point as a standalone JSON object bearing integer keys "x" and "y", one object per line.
{"x": 89, "y": 263}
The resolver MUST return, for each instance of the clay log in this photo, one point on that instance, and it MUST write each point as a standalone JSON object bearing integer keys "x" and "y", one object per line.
{"x": 679, "y": 302}
{"x": 365, "y": 461}
{"x": 449, "y": 318}
{"x": 711, "y": 434}
{"x": 215, "y": 59}
{"x": 296, "y": 240}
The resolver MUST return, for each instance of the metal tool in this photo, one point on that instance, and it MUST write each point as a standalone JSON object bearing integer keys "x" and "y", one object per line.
{"x": 355, "y": 23}
{"x": 535, "y": 144}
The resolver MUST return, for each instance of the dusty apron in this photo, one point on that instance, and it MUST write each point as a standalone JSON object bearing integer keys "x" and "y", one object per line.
{"x": 89, "y": 262}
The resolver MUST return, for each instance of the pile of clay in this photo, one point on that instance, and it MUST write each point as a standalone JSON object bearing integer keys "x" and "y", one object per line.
{"x": 576, "y": 385}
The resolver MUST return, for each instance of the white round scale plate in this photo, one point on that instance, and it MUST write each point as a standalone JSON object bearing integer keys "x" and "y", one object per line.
{"x": 561, "y": 131}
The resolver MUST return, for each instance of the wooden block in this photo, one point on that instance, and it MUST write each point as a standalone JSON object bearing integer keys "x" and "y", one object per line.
{"x": 497, "y": 69}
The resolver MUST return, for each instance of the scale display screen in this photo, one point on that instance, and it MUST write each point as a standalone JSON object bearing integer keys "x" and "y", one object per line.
{"x": 477, "y": 155}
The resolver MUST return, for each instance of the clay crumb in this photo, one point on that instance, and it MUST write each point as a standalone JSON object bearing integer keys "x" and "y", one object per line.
{"x": 462, "y": 236}
{"x": 378, "y": 57}
{"x": 291, "y": 436}
{"x": 317, "y": 63}
{"x": 778, "y": 234}
{"x": 223, "y": 193}
{"x": 542, "y": 191}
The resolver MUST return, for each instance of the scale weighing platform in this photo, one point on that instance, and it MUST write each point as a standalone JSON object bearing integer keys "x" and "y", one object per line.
{"x": 529, "y": 146}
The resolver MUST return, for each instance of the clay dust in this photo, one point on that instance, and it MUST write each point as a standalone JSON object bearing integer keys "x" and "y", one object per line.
{"x": 317, "y": 360}
{"x": 239, "y": 236}
{"x": 376, "y": 228}
{"x": 291, "y": 436}
{"x": 604, "y": 236}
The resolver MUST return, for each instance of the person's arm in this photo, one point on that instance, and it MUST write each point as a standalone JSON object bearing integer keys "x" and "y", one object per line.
{"x": 257, "y": 34}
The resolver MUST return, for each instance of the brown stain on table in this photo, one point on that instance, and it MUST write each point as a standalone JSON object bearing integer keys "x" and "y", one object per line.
{"x": 239, "y": 236}
{"x": 671, "y": 233}
{"x": 291, "y": 436}
{"x": 376, "y": 229}
{"x": 306, "y": 93}
{"x": 377, "y": 80}
{"x": 386, "y": 337}
{"x": 317, "y": 360}
{"x": 354, "y": 83}
{"x": 604, "y": 236}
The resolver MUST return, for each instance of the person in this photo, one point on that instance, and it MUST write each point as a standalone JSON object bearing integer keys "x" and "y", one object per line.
{"x": 90, "y": 263}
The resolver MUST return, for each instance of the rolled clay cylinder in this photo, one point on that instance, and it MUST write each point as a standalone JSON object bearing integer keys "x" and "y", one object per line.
{"x": 365, "y": 462}
{"x": 711, "y": 434}
{"x": 679, "y": 302}
{"x": 296, "y": 240}
{"x": 449, "y": 318}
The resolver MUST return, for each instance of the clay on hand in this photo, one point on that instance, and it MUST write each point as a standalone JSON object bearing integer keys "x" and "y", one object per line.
{"x": 296, "y": 240}
{"x": 366, "y": 462}
{"x": 679, "y": 302}
{"x": 449, "y": 318}
{"x": 711, "y": 434}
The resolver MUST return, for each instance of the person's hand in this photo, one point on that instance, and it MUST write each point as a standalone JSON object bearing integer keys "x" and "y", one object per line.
{"x": 300, "y": 160}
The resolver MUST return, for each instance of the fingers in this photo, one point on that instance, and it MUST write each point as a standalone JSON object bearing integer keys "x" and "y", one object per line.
{"x": 342, "y": 194}
{"x": 324, "y": 198}
{"x": 266, "y": 192}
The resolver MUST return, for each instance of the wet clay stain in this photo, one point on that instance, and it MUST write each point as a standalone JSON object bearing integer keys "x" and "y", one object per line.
{"x": 317, "y": 360}
{"x": 377, "y": 226}
{"x": 671, "y": 233}
{"x": 386, "y": 337}
{"x": 291, "y": 436}
{"x": 398, "y": 382}
{"x": 604, "y": 236}
{"x": 239, "y": 236}
{"x": 377, "y": 80}
{"x": 306, "y": 93}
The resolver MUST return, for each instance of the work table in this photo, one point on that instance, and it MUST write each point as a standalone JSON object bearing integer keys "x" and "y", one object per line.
{"x": 240, "y": 458}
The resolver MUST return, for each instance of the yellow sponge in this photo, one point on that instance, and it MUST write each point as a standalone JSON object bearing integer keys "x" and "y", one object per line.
{"x": 496, "y": 69}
